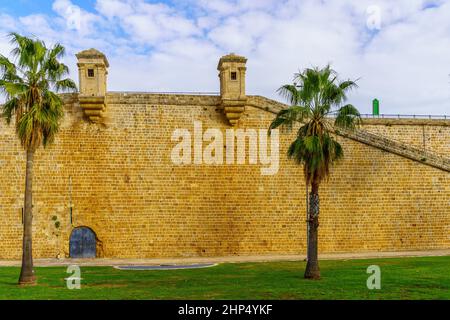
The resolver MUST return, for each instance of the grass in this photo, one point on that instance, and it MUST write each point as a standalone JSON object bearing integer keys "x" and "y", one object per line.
{"x": 401, "y": 278}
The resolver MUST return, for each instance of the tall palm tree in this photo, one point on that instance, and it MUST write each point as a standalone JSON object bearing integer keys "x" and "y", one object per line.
{"x": 27, "y": 84}
{"x": 317, "y": 100}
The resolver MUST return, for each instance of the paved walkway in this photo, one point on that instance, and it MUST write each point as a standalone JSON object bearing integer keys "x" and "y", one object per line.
{"x": 230, "y": 259}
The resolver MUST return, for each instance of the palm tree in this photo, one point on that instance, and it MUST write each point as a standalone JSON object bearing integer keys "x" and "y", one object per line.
{"x": 316, "y": 99}
{"x": 27, "y": 84}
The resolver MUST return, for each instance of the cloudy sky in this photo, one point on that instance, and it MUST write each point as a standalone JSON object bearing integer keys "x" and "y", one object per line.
{"x": 399, "y": 50}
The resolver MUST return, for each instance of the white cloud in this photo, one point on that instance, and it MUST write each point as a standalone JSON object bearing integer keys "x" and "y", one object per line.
{"x": 113, "y": 8}
{"x": 242, "y": 33}
{"x": 75, "y": 17}
{"x": 233, "y": 7}
{"x": 145, "y": 22}
{"x": 37, "y": 24}
{"x": 221, "y": 7}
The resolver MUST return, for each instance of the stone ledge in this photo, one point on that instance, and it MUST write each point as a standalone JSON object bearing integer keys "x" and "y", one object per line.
{"x": 93, "y": 107}
{"x": 163, "y": 99}
{"x": 407, "y": 122}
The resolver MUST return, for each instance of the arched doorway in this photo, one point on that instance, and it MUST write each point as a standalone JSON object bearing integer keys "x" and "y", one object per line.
{"x": 82, "y": 243}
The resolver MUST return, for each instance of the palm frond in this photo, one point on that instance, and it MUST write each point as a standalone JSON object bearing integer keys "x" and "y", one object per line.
{"x": 9, "y": 108}
{"x": 54, "y": 69}
{"x": 24, "y": 50}
{"x": 36, "y": 108}
{"x": 314, "y": 95}
{"x": 13, "y": 89}
{"x": 57, "y": 52}
{"x": 290, "y": 93}
{"x": 67, "y": 85}
{"x": 348, "y": 117}
{"x": 7, "y": 68}
{"x": 348, "y": 85}
{"x": 288, "y": 117}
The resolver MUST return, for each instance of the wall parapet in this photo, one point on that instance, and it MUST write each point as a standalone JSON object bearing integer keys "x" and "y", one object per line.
{"x": 163, "y": 98}
{"x": 266, "y": 104}
{"x": 407, "y": 122}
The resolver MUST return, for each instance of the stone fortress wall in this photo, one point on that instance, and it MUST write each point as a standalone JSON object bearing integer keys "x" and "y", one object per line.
{"x": 111, "y": 163}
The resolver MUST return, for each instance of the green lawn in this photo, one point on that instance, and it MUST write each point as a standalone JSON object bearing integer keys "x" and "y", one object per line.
{"x": 401, "y": 278}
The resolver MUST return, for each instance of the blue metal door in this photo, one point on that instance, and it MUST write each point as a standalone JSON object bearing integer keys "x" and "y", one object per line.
{"x": 82, "y": 243}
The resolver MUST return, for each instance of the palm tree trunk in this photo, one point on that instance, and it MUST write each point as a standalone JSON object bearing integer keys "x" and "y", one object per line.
{"x": 27, "y": 273}
{"x": 312, "y": 266}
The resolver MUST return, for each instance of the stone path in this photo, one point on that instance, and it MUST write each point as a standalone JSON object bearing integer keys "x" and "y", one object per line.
{"x": 229, "y": 259}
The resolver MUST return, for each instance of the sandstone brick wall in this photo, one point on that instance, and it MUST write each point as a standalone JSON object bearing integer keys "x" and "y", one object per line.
{"x": 126, "y": 188}
{"x": 432, "y": 135}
